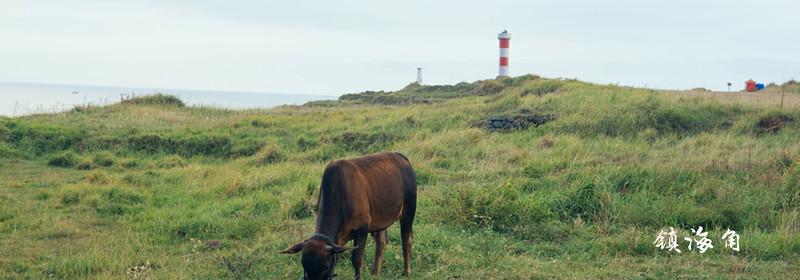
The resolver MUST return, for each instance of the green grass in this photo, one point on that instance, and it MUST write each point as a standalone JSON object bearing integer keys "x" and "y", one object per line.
{"x": 149, "y": 189}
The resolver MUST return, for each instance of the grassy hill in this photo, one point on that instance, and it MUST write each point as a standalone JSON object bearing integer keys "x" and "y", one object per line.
{"x": 153, "y": 189}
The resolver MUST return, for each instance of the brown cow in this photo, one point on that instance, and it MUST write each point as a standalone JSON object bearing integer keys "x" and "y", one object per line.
{"x": 360, "y": 196}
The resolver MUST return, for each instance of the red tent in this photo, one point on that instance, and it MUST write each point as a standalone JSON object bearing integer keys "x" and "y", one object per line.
{"x": 750, "y": 85}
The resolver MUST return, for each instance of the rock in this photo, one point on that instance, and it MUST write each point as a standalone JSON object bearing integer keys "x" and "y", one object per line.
{"x": 514, "y": 122}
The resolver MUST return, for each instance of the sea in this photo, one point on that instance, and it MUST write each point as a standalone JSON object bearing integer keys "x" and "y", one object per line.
{"x": 20, "y": 99}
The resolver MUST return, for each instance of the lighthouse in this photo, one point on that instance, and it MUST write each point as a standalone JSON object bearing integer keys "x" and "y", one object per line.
{"x": 505, "y": 39}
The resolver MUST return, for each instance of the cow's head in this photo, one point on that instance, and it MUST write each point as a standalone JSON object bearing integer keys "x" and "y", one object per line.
{"x": 318, "y": 258}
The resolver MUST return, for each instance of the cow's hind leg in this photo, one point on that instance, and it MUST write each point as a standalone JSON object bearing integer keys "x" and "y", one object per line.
{"x": 360, "y": 241}
{"x": 407, "y": 232}
{"x": 380, "y": 249}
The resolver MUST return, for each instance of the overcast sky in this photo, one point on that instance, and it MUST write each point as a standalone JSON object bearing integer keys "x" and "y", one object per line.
{"x": 335, "y": 47}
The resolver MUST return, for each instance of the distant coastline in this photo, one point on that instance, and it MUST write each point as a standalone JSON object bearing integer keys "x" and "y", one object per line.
{"x": 19, "y": 99}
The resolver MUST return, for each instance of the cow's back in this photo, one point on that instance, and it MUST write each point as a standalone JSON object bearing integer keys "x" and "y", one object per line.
{"x": 373, "y": 188}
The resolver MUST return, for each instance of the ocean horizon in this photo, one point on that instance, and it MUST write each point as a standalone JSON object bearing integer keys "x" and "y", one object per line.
{"x": 20, "y": 99}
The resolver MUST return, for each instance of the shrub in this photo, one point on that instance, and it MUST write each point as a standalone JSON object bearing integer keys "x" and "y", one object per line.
{"x": 85, "y": 165}
{"x": 7, "y": 151}
{"x": 41, "y": 138}
{"x": 541, "y": 87}
{"x": 772, "y": 122}
{"x": 520, "y": 80}
{"x": 768, "y": 122}
{"x": 105, "y": 142}
{"x": 489, "y": 87}
{"x": 304, "y": 143}
{"x": 672, "y": 120}
{"x": 360, "y": 96}
{"x": 199, "y": 144}
{"x": 5, "y": 132}
{"x": 156, "y": 99}
{"x": 103, "y": 159}
{"x": 131, "y": 163}
{"x": 204, "y": 144}
{"x": 392, "y": 100}
{"x": 70, "y": 198}
{"x": 64, "y": 159}
{"x": 268, "y": 155}
{"x": 246, "y": 147}
{"x": 362, "y": 142}
{"x": 150, "y": 143}
{"x": 97, "y": 178}
{"x": 321, "y": 103}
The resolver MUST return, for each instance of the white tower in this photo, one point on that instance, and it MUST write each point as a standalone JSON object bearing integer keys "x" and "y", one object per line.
{"x": 419, "y": 75}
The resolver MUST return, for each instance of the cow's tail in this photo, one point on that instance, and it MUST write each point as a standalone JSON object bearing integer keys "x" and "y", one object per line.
{"x": 409, "y": 211}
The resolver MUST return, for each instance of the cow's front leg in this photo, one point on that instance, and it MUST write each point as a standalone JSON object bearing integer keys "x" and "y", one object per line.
{"x": 360, "y": 241}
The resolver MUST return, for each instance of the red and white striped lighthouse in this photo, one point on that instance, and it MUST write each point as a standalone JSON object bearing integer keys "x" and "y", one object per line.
{"x": 505, "y": 39}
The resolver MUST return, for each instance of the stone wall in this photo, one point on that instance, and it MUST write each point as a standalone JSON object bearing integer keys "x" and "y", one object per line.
{"x": 514, "y": 122}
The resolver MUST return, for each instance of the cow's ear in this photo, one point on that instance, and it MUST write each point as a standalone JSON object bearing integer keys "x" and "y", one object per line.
{"x": 336, "y": 249}
{"x": 294, "y": 248}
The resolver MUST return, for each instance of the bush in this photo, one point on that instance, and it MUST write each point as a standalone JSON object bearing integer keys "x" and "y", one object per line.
{"x": 520, "y": 80}
{"x": 150, "y": 143}
{"x": 304, "y": 143}
{"x": 5, "y": 132}
{"x": 130, "y": 163}
{"x": 246, "y": 147}
{"x": 541, "y": 87}
{"x": 41, "y": 138}
{"x": 7, "y": 151}
{"x": 768, "y": 122}
{"x": 65, "y": 159}
{"x": 97, "y": 178}
{"x": 70, "y": 198}
{"x": 156, "y": 99}
{"x": 85, "y": 165}
{"x": 772, "y": 122}
{"x": 268, "y": 155}
{"x": 672, "y": 120}
{"x": 204, "y": 144}
{"x": 489, "y": 87}
{"x": 105, "y": 142}
{"x": 362, "y": 142}
{"x": 103, "y": 159}
{"x": 187, "y": 146}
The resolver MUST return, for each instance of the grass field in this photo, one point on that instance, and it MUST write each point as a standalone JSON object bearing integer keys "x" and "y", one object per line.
{"x": 151, "y": 189}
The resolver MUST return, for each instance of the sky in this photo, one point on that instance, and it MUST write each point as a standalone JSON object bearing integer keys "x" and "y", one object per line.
{"x": 337, "y": 47}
